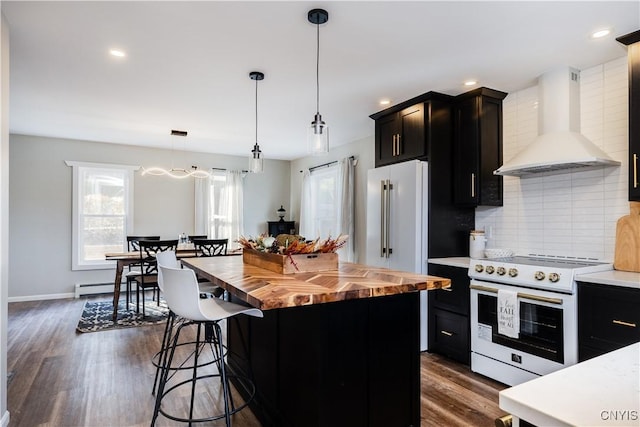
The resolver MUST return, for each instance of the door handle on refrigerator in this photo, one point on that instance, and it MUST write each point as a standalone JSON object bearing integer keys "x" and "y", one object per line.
{"x": 383, "y": 210}
{"x": 387, "y": 215}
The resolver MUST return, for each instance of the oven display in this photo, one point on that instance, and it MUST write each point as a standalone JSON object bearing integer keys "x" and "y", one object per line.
{"x": 541, "y": 328}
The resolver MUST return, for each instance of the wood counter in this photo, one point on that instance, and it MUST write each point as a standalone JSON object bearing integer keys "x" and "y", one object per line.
{"x": 335, "y": 348}
{"x": 267, "y": 290}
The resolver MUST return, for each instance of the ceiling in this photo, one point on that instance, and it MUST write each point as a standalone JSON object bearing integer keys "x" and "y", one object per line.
{"x": 187, "y": 64}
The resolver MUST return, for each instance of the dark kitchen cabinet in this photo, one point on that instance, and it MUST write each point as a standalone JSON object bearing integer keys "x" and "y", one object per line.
{"x": 449, "y": 333}
{"x": 477, "y": 147}
{"x": 281, "y": 227}
{"x": 632, "y": 40}
{"x": 608, "y": 318}
{"x": 403, "y": 132}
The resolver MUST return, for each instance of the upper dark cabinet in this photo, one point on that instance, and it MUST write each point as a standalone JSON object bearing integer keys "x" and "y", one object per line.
{"x": 404, "y": 131}
{"x": 632, "y": 40}
{"x": 477, "y": 147}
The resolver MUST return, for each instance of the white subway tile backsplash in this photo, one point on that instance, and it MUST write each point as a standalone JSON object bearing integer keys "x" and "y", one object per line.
{"x": 572, "y": 214}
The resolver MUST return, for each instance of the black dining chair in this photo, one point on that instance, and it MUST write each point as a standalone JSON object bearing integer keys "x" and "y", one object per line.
{"x": 198, "y": 237}
{"x": 210, "y": 247}
{"x": 134, "y": 268}
{"x": 148, "y": 277}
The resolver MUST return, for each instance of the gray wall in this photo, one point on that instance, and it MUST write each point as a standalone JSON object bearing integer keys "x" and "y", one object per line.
{"x": 363, "y": 150}
{"x": 40, "y": 205}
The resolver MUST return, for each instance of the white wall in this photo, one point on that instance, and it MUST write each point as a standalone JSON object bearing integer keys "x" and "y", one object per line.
{"x": 363, "y": 151}
{"x": 40, "y": 205}
{"x": 4, "y": 213}
{"x": 573, "y": 214}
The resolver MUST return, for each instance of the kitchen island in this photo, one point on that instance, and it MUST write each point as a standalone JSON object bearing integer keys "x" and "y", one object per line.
{"x": 603, "y": 391}
{"x": 335, "y": 348}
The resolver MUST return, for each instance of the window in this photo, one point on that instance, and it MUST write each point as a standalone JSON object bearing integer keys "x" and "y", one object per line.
{"x": 102, "y": 212}
{"x": 219, "y": 206}
{"x": 322, "y": 203}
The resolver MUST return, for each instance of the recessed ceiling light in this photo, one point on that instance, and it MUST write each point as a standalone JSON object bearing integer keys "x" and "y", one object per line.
{"x": 117, "y": 52}
{"x": 600, "y": 33}
{"x": 385, "y": 102}
{"x": 470, "y": 82}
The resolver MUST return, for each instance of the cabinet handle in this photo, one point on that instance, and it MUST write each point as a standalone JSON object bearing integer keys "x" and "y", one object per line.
{"x": 473, "y": 185}
{"x": 449, "y": 289}
{"x": 399, "y": 142}
{"x": 447, "y": 333}
{"x": 393, "y": 146}
{"x": 623, "y": 323}
{"x": 635, "y": 170}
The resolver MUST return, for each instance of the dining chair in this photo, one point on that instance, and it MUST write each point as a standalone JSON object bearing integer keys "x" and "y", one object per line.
{"x": 180, "y": 289}
{"x": 210, "y": 247}
{"x": 198, "y": 237}
{"x": 148, "y": 277}
{"x": 134, "y": 268}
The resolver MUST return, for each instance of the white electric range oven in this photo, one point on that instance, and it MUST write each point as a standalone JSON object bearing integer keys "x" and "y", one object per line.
{"x": 547, "y": 339}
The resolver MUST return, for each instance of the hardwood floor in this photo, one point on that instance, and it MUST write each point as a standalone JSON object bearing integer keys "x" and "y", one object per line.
{"x": 58, "y": 377}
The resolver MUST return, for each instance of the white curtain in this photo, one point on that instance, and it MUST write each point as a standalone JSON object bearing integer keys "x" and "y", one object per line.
{"x": 231, "y": 207}
{"x": 203, "y": 206}
{"x": 346, "y": 207}
{"x": 306, "y": 211}
{"x": 218, "y": 207}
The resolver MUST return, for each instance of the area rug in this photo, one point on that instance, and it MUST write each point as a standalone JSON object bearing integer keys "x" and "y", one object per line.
{"x": 98, "y": 316}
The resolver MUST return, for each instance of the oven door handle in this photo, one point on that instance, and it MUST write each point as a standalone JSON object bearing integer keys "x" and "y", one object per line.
{"x": 556, "y": 301}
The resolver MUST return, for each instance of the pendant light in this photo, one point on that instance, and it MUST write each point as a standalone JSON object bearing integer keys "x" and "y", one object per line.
{"x": 256, "y": 159}
{"x": 318, "y": 134}
{"x": 176, "y": 172}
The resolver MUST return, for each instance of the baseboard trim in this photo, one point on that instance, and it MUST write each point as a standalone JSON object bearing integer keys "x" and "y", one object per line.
{"x": 5, "y": 419}
{"x": 41, "y": 297}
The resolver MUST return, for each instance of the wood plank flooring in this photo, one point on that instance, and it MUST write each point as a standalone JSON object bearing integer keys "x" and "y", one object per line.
{"x": 58, "y": 377}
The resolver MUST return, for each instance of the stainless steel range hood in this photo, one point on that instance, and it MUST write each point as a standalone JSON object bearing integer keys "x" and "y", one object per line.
{"x": 559, "y": 148}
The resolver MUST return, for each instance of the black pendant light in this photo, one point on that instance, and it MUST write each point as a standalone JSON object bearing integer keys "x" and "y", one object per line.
{"x": 256, "y": 159}
{"x": 318, "y": 134}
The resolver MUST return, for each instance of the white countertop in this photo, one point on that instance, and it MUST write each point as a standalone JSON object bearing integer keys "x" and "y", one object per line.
{"x": 462, "y": 262}
{"x": 604, "y": 391}
{"x": 627, "y": 279}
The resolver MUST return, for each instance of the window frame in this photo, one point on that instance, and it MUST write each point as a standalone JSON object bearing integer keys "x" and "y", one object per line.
{"x": 76, "y": 263}
{"x": 316, "y": 175}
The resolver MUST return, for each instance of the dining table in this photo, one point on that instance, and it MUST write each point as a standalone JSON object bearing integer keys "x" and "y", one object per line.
{"x": 339, "y": 347}
{"x": 124, "y": 259}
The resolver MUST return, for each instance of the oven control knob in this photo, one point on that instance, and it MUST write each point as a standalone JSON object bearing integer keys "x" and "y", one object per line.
{"x": 513, "y": 272}
{"x": 479, "y": 268}
{"x": 490, "y": 269}
{"x": 554, "y": 277}
{"x": 501, "y": 271}
{"x": 539, "y": 275}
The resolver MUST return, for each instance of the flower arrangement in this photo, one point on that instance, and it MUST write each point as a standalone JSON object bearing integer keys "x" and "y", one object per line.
{"x": 291, "y": 244}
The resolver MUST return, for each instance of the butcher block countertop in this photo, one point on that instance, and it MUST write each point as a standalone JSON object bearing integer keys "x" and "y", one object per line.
{"x": 266, "y": 290}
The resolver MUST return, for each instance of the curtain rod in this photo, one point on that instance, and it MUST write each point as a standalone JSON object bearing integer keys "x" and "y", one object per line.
{"x": 312, "y": 168}
{"x": 223, "y": 169}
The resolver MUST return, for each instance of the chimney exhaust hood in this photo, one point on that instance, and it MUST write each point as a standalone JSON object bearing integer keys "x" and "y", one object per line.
{"x": 559, "y": 148}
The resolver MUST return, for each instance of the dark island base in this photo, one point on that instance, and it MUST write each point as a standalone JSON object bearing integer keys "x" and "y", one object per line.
{"x": 350, "y": 363}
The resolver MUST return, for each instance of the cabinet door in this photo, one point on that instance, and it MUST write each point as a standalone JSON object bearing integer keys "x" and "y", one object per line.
{"x": 466, "y": 153}
{"x": 608, "y": 318}
{"x": 634, "y": 125}
{"x": 489, "y": 185}
{"x": 411, "y": 140}
{"x": 456, "y": 298}
{"x": 387, "y": 131}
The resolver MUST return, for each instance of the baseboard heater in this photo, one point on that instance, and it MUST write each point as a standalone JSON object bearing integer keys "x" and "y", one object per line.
{"x": 96, "y": 288}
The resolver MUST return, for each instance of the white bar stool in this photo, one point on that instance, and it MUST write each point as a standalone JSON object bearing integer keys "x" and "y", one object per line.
{"x": 181, "y": 292}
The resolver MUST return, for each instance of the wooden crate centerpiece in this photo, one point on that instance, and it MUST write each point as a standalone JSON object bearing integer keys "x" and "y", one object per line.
{"x": 290, "y": 264}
